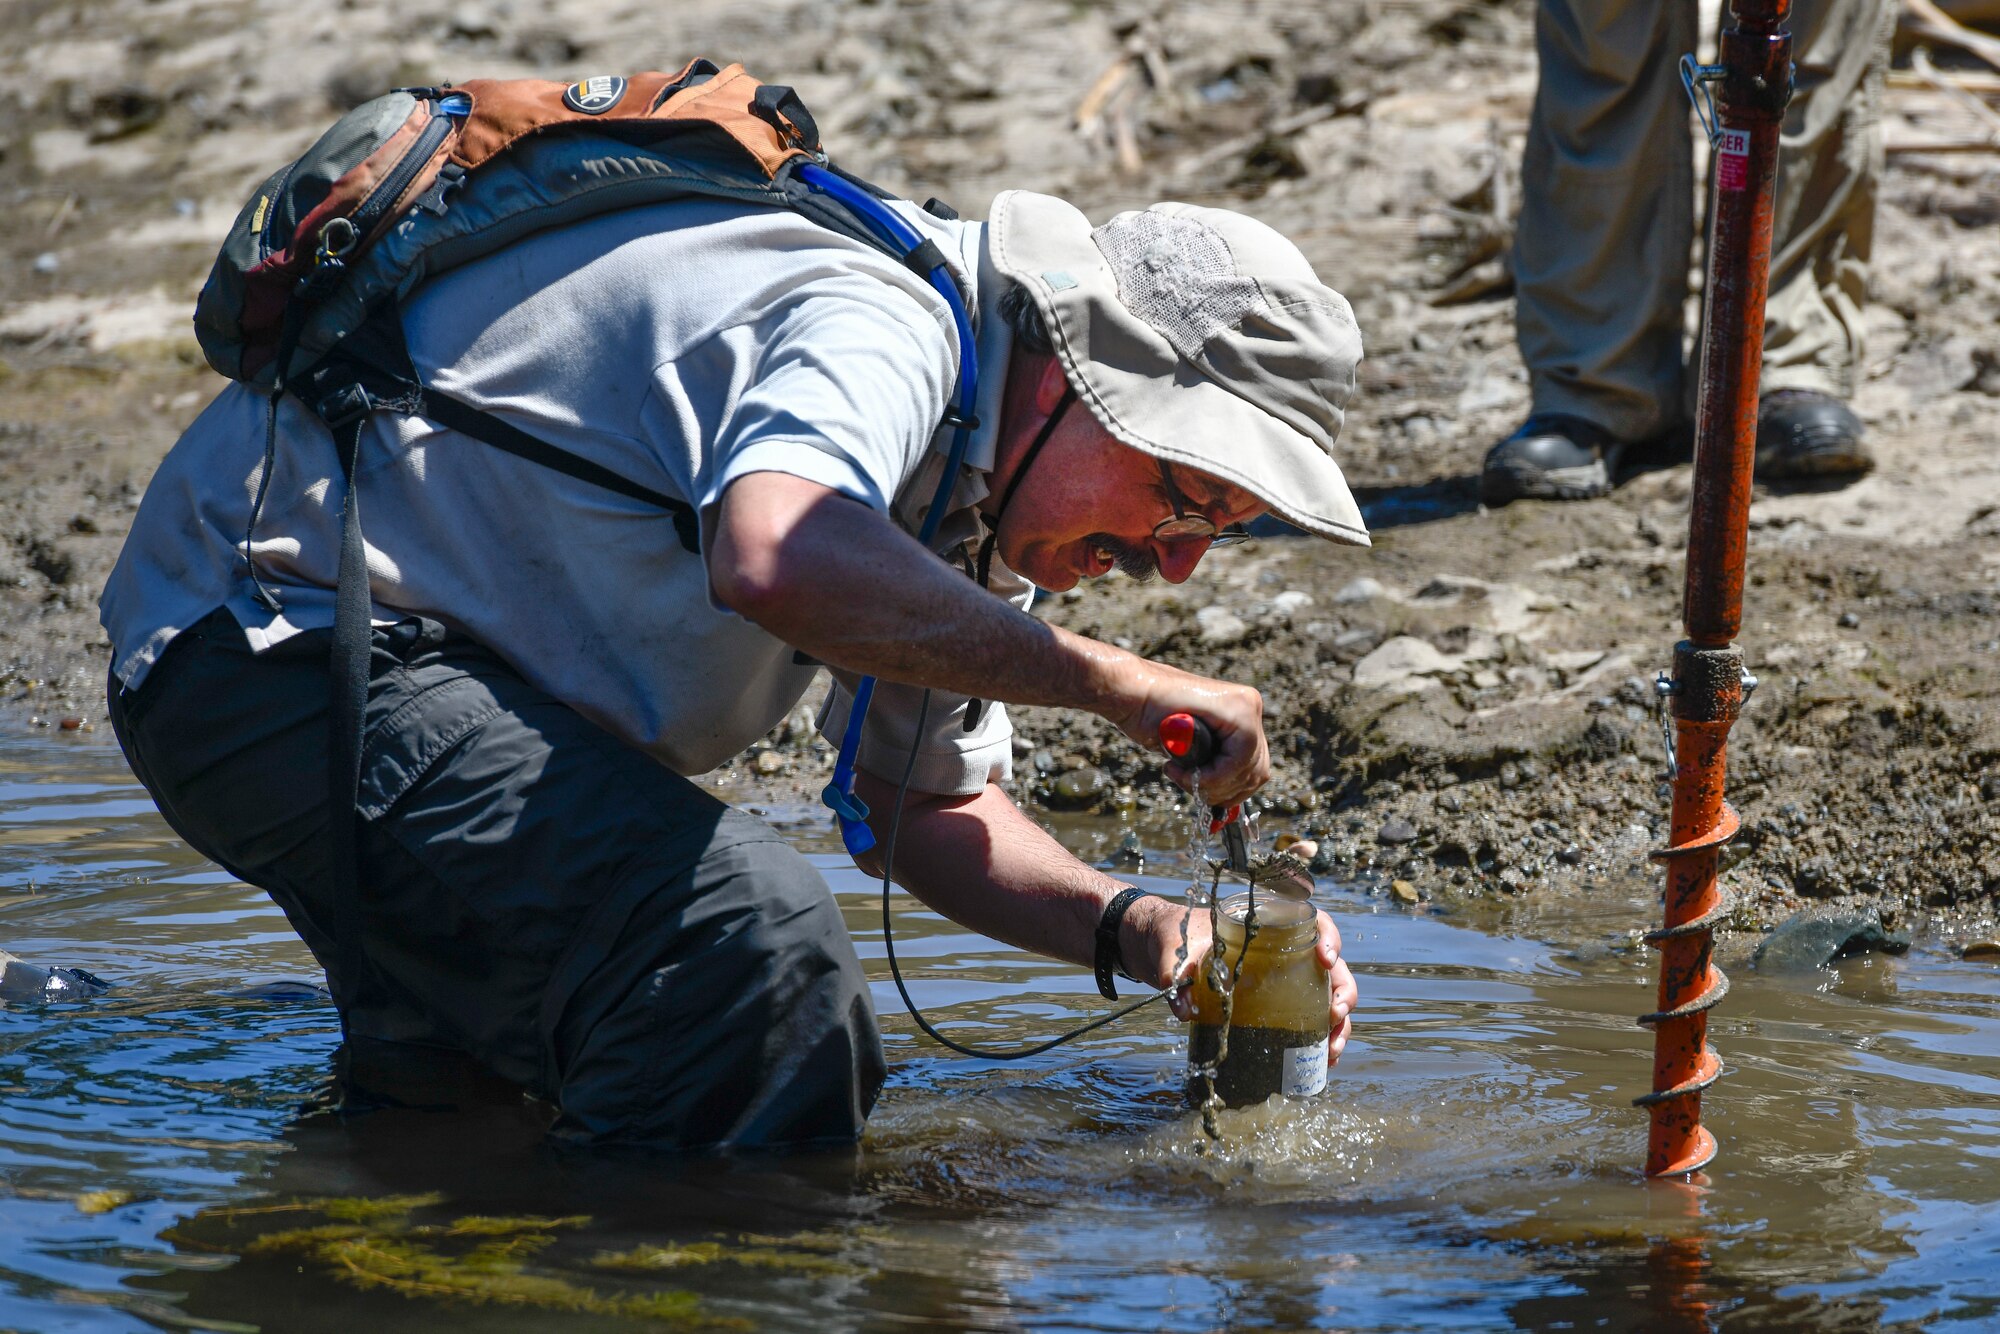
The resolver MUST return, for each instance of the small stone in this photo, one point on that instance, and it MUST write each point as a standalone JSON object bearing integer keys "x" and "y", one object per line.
{"x": 71, "y": 723}
{"x": 1220, "y": 626}
{"x": 1848, "y": 620}
{"x": 1451, "y": 801}
{"x": 1363, "y": 589}
{"x": 1078, "y": 788}
{"x": 1404, "y": 891}
{"x": 1290, "y": 602}
{"x": 1305, "y": 849}
{"x": 47, "y": 262}
{"x": 1486, "y": 679}
{"x": 1570, "y": 856}
{"x": 1129, "y": 852}
{"x": 1396, "y": 831}
{"x": 1811, "y": 939}
{"x": 1989, "y": 787}
{"x": 1397, "y": 663}
{"x": 1044, "y": 761}
{"x": 1981, "y": 949}
{"x": 769, "y": 762}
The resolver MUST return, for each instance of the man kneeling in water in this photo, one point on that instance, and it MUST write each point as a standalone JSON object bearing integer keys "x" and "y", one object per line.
{"x": 545, "y": 892}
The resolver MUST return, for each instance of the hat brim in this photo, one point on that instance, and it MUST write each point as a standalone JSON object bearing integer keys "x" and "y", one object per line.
{"x": 1142, "y": 391}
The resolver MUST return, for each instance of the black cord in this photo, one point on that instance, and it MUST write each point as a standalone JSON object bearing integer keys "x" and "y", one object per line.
{"x": 889, "y": 940}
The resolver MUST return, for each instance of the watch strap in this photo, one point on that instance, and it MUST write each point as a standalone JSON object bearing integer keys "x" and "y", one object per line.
{"x": 1109, "y": 959}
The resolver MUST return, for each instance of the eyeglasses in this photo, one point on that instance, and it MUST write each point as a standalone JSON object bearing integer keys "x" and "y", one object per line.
{"x": 1186, "y": 526}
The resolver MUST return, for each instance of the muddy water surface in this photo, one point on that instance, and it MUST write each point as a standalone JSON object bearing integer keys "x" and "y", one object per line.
{"x": 1471, "y": 1166}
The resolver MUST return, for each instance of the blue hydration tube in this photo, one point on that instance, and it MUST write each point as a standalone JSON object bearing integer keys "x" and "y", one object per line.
{"x": 898, "y": 235}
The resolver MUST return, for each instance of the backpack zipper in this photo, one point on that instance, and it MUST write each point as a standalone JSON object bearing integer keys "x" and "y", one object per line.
{"x": 384, "y": 196}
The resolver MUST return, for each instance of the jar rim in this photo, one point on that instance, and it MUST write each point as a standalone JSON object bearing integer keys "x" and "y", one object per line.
{"x": 1273, "y": 910}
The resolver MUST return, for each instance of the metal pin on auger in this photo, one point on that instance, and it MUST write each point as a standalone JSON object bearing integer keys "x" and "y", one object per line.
{"x": 1708, "y": 684}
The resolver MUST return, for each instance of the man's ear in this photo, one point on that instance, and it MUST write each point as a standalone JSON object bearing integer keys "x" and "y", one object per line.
{"x": 1051, "y": 384}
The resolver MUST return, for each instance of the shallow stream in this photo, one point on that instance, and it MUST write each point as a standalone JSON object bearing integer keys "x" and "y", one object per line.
{"x": 1472, "y": 1165}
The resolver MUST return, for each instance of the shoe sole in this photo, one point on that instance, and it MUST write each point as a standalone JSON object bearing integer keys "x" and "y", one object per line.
{"x": 1502, "y": 485}
{"x": 1847, "y": 459}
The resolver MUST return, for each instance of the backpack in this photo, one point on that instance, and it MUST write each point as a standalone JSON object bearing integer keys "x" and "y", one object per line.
{"x": 303, "y": 297}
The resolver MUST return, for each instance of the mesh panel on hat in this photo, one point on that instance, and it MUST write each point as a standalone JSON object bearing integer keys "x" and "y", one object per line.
{"x": 1178, "y": 276}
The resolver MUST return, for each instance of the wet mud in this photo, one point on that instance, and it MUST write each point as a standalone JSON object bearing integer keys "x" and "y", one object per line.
{"x": 1465, "y": 709}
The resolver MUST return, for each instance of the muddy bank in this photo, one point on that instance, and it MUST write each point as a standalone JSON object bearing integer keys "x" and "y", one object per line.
{"x": 1467, "y": 707}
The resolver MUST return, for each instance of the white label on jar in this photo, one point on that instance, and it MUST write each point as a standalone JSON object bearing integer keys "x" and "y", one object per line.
{"x": 1305, "y": 1070}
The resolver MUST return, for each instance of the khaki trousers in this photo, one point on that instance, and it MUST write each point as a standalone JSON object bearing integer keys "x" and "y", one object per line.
{"x": 1607, "y": 216}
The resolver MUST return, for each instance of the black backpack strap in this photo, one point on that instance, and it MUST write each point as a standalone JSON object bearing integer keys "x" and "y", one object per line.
{"x": 345, "y": 412}
{"x": 484, "y": 426}
{"x": 376, "y": 358}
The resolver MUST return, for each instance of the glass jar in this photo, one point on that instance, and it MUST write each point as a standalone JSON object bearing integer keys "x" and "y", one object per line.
{"x": 1279, "y": 1019}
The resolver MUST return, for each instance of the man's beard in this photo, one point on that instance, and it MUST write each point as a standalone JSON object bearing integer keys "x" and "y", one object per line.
{"x": 1135, "y": 561}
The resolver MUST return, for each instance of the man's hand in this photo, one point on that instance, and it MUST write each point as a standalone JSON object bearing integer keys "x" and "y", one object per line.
{"x": 1155, "y": 937}
{"x": 1234, "y": 713}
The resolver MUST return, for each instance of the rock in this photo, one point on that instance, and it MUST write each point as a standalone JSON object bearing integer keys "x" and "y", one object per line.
{"x": 1398, "y": 664}
{"x": 1817, "y": 878}
{"x": 70, "y": 724}
{"x": 1078, "y": 788}
{"x": 1305, "y": 849}
{"x": 1813, "y": 939}
{"x": 1363, "y": 589}
{"x": 1396, "y": 831}
{"x": 1220, "y": 626}
{"x": 1451, "y": 801}
{"x": 47, "y": 262}
{"x": 1981, "y": 949}
{"x": 769, "y": 762}
{"x": 1848, "y": 620}
{"x": 1404, "y": 891}
{"x": 1321, "y": 862}
{"x": 1290, "y": 602}
{"x": 1044, "y": 761}
{"x": 1129, "y": 852}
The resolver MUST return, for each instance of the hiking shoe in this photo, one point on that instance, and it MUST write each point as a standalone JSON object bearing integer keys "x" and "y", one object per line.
{"x": 1804, "y": 433}
{"x": 1550, "y": 458}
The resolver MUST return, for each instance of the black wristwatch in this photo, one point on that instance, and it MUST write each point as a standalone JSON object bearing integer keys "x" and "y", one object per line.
{"x": 1109, "y": 960}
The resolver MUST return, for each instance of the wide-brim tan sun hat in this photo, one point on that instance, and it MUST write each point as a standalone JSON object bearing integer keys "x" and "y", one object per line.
{"x": 1199, "y": 336}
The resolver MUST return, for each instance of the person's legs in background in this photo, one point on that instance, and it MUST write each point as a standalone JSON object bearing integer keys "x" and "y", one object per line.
{"x": 1829, "y": 166}
{"x": 1601, "y": 251}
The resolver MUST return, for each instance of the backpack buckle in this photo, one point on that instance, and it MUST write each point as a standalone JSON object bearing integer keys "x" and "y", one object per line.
{"x": 344, "y": 405}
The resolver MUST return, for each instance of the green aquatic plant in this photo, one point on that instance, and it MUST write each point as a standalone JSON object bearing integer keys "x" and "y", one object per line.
{"x": 650, "y": 1258}
{"x": 371, "y": 1243}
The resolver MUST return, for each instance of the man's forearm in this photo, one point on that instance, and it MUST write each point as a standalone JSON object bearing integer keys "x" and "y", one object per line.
{"x": 820, "y": 588}
{"x": 985, "y": 865}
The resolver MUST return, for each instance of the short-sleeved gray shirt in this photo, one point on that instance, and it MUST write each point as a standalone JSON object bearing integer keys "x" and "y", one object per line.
{"x": 682, "y": 346}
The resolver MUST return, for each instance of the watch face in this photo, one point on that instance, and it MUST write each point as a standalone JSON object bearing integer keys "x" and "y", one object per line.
{"x": 595, "y": 96}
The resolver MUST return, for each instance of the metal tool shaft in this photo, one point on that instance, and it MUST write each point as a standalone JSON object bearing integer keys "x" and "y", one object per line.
{"x": 1754, "y": 79}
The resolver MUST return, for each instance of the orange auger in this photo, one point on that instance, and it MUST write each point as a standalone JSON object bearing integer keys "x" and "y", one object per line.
{"x": 1708, "y": 684}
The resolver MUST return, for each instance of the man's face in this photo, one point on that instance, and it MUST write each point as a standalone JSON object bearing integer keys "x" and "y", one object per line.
{"x": 1090, "y": 504}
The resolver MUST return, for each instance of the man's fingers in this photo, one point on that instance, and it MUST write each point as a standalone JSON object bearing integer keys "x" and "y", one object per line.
{"x": 1346, "y": 992}
{"x": 1329, "y": 942}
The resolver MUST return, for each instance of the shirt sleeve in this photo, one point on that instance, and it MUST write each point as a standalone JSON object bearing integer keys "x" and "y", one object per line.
{"x": 844, "y": 388}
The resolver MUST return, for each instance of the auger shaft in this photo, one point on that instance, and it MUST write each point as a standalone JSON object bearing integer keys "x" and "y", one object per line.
{"x": 1754, "y": 85}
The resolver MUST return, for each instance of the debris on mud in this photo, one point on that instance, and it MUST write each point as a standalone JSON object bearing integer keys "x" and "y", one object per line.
{"x": 1465, "y": 709}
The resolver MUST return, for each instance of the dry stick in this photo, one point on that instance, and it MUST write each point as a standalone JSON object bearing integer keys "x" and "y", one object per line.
{"x": 1090, "y": 109}
{"x": 1920, "y": 61}
{"x": 1977, "y": 82}
{"x": 1945, "y": 146}
{"x": 1925, "y": 19}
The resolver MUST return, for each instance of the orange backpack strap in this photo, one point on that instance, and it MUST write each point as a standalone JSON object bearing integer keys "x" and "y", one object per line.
{"x": 765, "y": 120}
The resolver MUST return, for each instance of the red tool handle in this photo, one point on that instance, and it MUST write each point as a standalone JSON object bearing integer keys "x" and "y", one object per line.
{"x": 1190, "y": 740}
